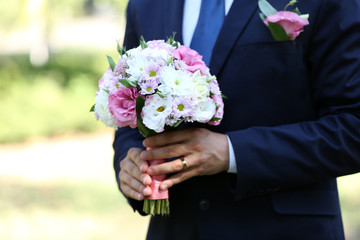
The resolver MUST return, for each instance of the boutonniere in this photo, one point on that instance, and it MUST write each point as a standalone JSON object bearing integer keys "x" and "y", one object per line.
{"x": 283, "y": 25}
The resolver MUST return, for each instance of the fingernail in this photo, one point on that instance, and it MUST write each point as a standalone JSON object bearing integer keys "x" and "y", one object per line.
{"x": 150, "y": 171}
{"x": 144, "y": 180}
{"x": 142, "y": 166}
{"x": 139, "y": 196}
{"x": 147, "y": 191}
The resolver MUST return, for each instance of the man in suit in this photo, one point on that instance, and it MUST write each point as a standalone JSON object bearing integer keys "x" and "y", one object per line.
{"x": 291, "y": 126}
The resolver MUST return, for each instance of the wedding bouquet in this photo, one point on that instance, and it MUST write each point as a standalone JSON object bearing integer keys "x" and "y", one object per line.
{"x": 155, "y": 87}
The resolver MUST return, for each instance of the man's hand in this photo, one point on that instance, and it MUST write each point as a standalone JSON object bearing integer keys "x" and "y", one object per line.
{"x": 134, "y": 181}
{"x": 205, "y": 152}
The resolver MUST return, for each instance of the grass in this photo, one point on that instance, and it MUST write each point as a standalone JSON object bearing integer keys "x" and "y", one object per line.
{"x": 92, "y": 210}
{"x": 49, "y": 100}
{"x": 86, "y": 210}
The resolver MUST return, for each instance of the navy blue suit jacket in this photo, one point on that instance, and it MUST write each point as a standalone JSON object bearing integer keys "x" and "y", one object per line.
{"x": 292, "y": 114}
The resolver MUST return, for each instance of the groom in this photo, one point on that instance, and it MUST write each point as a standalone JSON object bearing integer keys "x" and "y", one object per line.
{"x": 291, "y": 124}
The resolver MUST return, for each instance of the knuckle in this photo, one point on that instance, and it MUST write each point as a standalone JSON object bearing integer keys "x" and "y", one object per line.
{"x": 198, "y": 147}
{"x": 124, "y": 188}
{"x": 199, "y": 132}
{"x": 200, "y": 170}
{"x": 121, "y": 175}
{"x": 202, "y": 158}
{"x": 122, "y": 163}
{"x": 133, "y": 170}
{"x": 131, "y": 151}
{"x": 183, "y": 177}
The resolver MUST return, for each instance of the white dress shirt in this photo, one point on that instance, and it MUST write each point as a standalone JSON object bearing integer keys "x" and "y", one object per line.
{"x": 190, "y": 18}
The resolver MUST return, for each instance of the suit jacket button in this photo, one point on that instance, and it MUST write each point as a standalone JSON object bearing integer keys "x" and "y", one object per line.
{"x": 204, "y": 205}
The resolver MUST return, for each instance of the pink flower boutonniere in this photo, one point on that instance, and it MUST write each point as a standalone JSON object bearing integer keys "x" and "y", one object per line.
{"x": 283, "y": 25}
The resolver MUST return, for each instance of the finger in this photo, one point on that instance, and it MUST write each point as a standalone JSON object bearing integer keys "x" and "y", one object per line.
{"x": 134, "y": 155}
{"x": 132, "y": 186}
{"x": 165, "y": 152}
{"x": 166, "y": 138}
{"x": 132, "y": 170}
{"x": 131, "y": 193}
{"x": 166, "y": 168}
{"x": 178, "y": 178}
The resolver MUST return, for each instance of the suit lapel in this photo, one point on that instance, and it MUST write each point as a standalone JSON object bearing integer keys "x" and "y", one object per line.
{"x": 235, "y": 22}
{"x": 173, "y": 15}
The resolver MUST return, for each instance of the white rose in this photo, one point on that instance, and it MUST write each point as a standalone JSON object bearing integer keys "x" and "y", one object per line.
{"x": 204, "y": 110}
{"x": 101, "y": 109}
{"x": 200, "y": 85}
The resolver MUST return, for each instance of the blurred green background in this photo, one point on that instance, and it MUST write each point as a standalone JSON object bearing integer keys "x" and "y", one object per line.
{"x": 56, "y": 177}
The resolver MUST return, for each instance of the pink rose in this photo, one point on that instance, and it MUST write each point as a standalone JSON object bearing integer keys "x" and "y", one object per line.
{"x": 122, "y": 106}
{"x": 192, "y": 59}
{"x": 292, "y": 23}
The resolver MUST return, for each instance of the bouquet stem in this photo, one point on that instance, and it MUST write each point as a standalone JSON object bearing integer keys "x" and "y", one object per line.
{"x": 158, "y": 202}
{"x": 159, "y": 206}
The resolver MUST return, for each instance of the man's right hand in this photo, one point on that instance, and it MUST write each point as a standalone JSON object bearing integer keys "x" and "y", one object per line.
{"x": 134, "y": 181}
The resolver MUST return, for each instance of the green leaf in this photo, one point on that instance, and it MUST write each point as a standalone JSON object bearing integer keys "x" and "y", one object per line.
{"x": 278, "y": 32}
{"x": 160, "y": 94}
{"x": 111, "y": 63}
{"x": 119, "y": 49}
{"x": 297, "y": 11}
{"x": 224, "y": 96}
{"x": 107, "y": 91}
{"x": 214, "y": 119}
{"x": 125, "y": 82}
{"x": 266, "y": 8}
{"x": 171, "y": 39}
{"x": 178, "y": 123}
{"x": 92, "y": 108}
{"x": 146, "y": 132}
{"x": 132, "y": 83}
{"x": 262, "y": 16}
{"x": 143, "y": 43}
{"x": 140, "y": 102}
{"x": 170, "y": 60}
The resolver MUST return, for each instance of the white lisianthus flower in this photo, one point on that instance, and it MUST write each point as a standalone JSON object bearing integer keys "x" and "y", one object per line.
{"x": 200, "y": 85}
{"x": 108, "y": 81}
{"x": 132, "y": 52}
{"x": 101, "y": 109}
{"x": 156, "y": 53}
{"x": 136, "y": 66}
{"x": 175, "y": 83}
{"x": 155, "y": 112}
{"x": 204, "y": 110}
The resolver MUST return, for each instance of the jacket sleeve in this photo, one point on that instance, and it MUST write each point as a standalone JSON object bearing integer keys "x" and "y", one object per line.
{"x": 126, "y": 138}
{"x": 292, "y": 155}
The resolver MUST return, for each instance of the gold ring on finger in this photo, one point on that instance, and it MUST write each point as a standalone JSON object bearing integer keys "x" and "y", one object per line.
{"x": 183, "y": 161}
